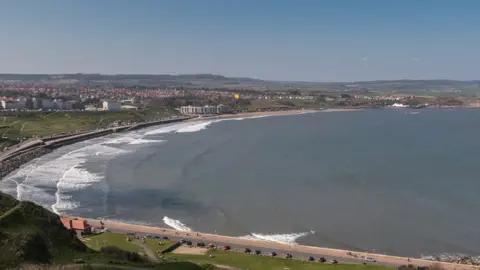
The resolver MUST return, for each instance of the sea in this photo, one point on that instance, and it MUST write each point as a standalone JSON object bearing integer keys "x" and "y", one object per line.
{"x": 395, "y": 181}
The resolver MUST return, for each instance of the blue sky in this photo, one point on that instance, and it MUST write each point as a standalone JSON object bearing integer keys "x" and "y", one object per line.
{"x": 307, "y": 40}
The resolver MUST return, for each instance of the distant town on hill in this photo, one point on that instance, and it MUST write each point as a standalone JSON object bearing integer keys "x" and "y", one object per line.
{"x": 141, "y": 81}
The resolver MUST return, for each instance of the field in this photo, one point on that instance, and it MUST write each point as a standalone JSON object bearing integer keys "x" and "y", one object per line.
{"x": 255, "y": 262}
{"x": 29, "y": 124}
{"x": 112, "y": 239}
{"x": 153, "y": 244}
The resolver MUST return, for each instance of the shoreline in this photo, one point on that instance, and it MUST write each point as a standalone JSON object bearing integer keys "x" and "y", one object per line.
{"x": 255, "y": 114}
{"x": 319, "y": 251}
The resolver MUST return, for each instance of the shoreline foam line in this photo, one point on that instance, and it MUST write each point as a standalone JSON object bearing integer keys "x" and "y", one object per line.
{"x": 322, "y": 251}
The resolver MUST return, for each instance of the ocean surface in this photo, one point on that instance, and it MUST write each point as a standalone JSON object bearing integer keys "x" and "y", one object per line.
{"x": 400, "y": 182}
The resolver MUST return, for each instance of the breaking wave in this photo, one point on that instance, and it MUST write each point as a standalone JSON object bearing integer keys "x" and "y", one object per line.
{"x": 176, "y": 224}
{"x": 51, "y": 183}
{"x": 195, "y": 127}
{"x": 143, "y": 141}
{"x": 277, "y": 238}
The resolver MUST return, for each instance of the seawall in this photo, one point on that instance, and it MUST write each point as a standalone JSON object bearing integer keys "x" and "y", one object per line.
{"x": 25, "y": 152}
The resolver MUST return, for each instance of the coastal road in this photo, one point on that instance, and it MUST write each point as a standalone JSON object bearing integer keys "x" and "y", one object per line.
{"x": 237, "y": 244}
{"x": 300, "y": 251}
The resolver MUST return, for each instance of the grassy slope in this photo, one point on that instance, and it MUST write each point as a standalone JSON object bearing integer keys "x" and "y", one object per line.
{"x": 30, "y": 234}
{"x": 27, "y": 124}
{"x": 96, "y": 242}
{"x": 254, "y": 262}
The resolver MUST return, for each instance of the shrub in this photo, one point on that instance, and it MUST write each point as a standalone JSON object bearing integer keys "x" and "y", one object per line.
{"x": 118, "y": 253}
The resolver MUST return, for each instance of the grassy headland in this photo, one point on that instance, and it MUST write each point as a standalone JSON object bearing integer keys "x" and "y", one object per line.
{"x": 32, "y": 235}
{"x": 29, "y": 124}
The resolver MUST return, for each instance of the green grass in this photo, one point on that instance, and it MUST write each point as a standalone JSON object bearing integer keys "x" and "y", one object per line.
{"x": 28, "y": 124}
{"x": 112, "y": 239}
{"x": 254, "y": 262}
{"x": 154, "y": 246}
{"x": 30, "y": 233}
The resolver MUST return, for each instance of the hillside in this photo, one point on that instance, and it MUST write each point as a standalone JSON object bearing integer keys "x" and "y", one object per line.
{"x": 142, "y": 81}
{"x": 32, "y": 234}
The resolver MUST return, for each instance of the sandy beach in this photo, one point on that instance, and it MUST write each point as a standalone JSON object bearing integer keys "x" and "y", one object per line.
{"x": 254, "y": 114}
{"x": 319, "y": 251}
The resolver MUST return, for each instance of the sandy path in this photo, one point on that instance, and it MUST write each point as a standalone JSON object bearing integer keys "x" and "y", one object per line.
{"x": 319, "y": 251}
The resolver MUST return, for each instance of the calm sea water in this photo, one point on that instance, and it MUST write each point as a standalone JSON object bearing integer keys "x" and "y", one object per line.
{"x": 395, "y": 181}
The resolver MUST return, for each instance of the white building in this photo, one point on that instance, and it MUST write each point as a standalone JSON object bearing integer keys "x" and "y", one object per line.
{"x": 205, "y": 110}
{"x": 112, "y": 106}
{"x": 57, "y": 104}
{"x": 13, "y": 105}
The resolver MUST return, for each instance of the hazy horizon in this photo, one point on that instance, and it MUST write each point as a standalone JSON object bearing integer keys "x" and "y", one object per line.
{"x": 235, "y": 77}
{"x": 313, "y": 41}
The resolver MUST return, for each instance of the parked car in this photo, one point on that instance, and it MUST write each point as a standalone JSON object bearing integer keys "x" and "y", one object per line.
{"x": 165, "y": 238}
{"x": 200, "y": 244}
{"x": 189, "y": 242}
{"x": 310, "y": 259}
{"x": 288, "y": 256}
{"x": 273, "y": 254}
{"x": 257, "y": 252}
{"x": 226, "y": 248}
{"x": 247, "y": 250}
{"x": 322, "y": 260}
{"x": 183, "y": 241}
{"x": 369, "y": 259}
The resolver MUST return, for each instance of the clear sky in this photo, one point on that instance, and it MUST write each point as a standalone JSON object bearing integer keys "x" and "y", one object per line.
{"x": 308, "y": 40}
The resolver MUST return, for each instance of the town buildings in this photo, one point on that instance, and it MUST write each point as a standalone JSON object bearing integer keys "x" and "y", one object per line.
{"x": 112, "y": 106}
{"x": 205, "y": 110}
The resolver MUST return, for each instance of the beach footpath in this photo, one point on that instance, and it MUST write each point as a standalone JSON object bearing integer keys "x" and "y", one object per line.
{"x": 272, "y": 246}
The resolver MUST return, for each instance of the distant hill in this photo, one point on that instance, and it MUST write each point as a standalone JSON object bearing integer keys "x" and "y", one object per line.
{"x": 217, "y": 81}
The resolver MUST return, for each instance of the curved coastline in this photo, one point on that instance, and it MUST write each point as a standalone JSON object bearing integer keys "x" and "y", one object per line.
{"x": 24, "y": 152}
{"x": 55, "y": 142}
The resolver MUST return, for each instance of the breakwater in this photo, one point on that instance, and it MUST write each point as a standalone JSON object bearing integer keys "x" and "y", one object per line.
{"x": 29, "y": 150}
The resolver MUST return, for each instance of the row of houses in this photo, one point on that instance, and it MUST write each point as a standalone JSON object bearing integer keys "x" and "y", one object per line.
{"x": 205, "y": 110}
{"x": 37, "y": 104}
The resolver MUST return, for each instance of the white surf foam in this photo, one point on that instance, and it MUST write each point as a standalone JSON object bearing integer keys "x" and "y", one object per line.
{"x": 63, "y": 174}
{"x": 195, "y": 127}
{"x": 143, "y": 141}
{"x": 176, "y": 224}
{"x": 277, "y": 238}
{"x": 170, "y": 128}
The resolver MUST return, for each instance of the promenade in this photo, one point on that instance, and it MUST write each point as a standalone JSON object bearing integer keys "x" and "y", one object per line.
{"x": 271, "y": 246}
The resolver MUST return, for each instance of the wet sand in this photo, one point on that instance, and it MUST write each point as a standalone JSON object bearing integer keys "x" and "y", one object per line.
{"x": 254, "y": 114}
{"x": 319, "y": 251}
